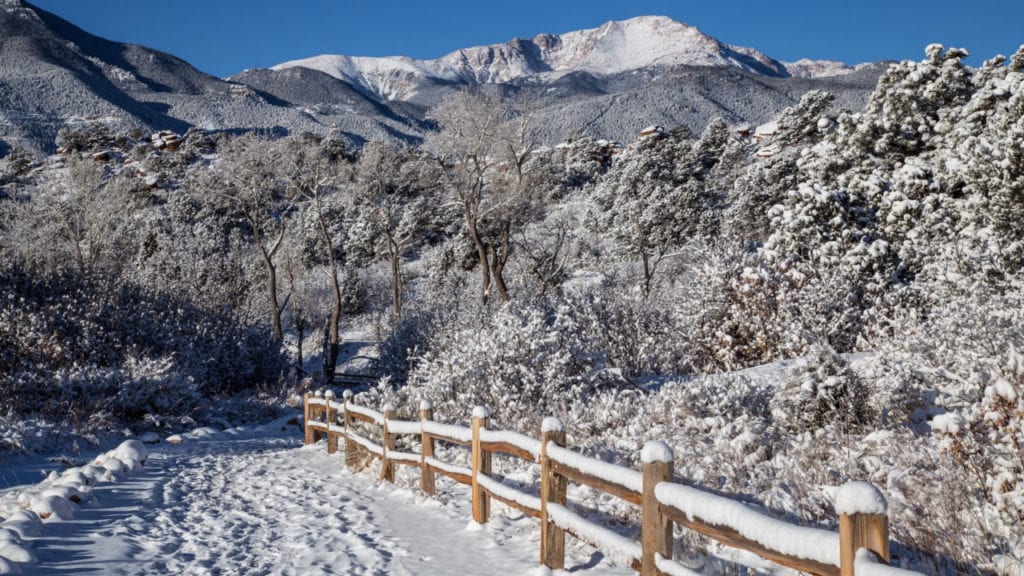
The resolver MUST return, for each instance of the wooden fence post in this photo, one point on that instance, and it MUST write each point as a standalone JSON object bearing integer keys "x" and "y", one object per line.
{"x": 316, "y": 412}
{"x": 427, "y": 450}
{"x": 552, "y": 490}
{"x": 863, "y": 523}
{"x": 332, "y": 439}
{"x": 305, "y": 419}
{"x": 655, "y": 528}
{"x": 350, "y": 446}
{"x": 481, "y": 465}
{"x": 387, "y": 467}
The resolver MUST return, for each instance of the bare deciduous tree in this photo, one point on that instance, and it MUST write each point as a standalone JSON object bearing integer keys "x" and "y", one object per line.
{"x": 484, "y": 144}
{"x": 316, "y": 171}
{"x": 393, "y": 207}
{"x": 248, "y": 182}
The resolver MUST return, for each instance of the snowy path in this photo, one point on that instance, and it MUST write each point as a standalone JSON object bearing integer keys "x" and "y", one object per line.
{"x": 236, "y": 506}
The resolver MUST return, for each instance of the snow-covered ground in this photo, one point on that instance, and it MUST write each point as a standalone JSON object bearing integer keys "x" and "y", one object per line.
{"x": 256, "y": 504}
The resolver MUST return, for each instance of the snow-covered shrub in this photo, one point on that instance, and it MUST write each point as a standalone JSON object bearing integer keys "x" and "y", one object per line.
{"x": 523, "y": 363}
{"x": 820, "y": 390}
{"x": 958, "y": 368}
{"x": 630, "y": 330}
{"x": 986, "y": 437}
{"x": 72, "y": 348}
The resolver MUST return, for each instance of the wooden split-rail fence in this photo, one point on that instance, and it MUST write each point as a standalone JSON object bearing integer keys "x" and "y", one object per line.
{"x": 860, "y": 547}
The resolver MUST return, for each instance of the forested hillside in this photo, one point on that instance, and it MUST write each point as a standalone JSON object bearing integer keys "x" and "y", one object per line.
{"x": 872, "y": 258}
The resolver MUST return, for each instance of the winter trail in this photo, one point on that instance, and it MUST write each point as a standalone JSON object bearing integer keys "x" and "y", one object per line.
{"x": 270, "y": 506}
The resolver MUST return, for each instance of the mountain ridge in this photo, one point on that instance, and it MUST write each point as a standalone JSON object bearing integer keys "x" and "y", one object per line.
{"x": 615, "y": 46}
{"x": 609, "y": 82}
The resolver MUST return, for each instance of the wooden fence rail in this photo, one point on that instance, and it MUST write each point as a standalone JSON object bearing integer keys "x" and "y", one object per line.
{"x": 861, "y": 546}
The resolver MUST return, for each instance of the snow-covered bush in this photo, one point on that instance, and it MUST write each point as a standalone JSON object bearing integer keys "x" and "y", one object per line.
{"x": 71, "y": 350}
{"x": 523, "y": 363}
{"x": 958, "y": 369}
{"x": 820, "y": 390}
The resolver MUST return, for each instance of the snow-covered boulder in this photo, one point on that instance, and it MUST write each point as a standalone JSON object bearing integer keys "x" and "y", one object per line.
{"x": 8, "y": 567}
{"x": 205, "y": 432}
{"x": 17, "y": 553}
{"x": 132, "y": 450}
{"x": 25, "y": 522}
{"x": 74, "y": 477}
{"x": 94, "y": 472}
{"x": 112, "y": 464}
{"x": 130, "y": 464}
{"x": 53, "y": 507}
{"x": 9, "y": 536}
{"x": 74, "y": 494}
{"x": 150, "y": 438}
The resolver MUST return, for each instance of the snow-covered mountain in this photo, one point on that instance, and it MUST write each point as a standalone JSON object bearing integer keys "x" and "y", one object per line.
{"x": 618, "y": 46}
{"x": 608, "y": 82}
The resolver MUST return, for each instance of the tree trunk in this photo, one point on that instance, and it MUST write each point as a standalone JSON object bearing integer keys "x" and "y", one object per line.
{"x": 648, "y": 272}
{"x": 331, "y": 348}
{"x": 275, "y": 307}
{"x": 332, "y": 342}
{"x": 298, "y": 320}
{"x": 300, "y": 329}
{"x": 396, "y": 279}
{"x": 500, "y": 256}
{"x": 485, "y": 267}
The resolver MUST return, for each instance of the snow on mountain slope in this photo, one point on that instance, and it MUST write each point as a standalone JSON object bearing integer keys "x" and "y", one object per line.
{"x": 613, "y": 47}
{"x": 807, "y": 68}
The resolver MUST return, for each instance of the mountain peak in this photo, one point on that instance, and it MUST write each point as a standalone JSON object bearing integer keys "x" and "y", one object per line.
{"x": 614, "y": 47}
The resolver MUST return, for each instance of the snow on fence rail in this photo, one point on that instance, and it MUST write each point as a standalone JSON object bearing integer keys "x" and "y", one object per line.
{"x": 860, "y": 547}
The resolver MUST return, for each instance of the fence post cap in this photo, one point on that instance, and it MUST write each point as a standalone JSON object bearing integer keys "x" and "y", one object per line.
{"x": 481, "y": 412}
{"x": 319, "y": 393}
{"x": 656, "y": 451}
{"x": 858, "y": 497}
{"x": 329, "y": 394}
{"x": 426, "y": 404}
{"x": 552, "y": 424}
{"x": 347, "y": 394}
{"x": 389, "y": 407}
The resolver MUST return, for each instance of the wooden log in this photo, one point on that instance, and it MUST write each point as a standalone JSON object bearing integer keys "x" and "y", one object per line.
{"x": 513, "y": 504}
{"x": 427, "y": 485}
{"x": 387, "y": 467}
{"x": 466, "y": 479}
{"x": 599, "y": 483}
{"x": 481, "y": 465}
{"x": 634, "y": 563}
{"x": 731, "y": 537}
{"x": 655, "y": 527}
{"x": 552, "y": 490}
{"x": 858, "y": 531}
{"x": 363, "y": 418}
{"x": 306, "y": 418}
{"x": 329, "y": 413}
{"x": 507, "y": 448}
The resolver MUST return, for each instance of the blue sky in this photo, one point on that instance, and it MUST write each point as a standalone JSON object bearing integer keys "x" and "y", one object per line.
{"x": 226, "y": 36}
